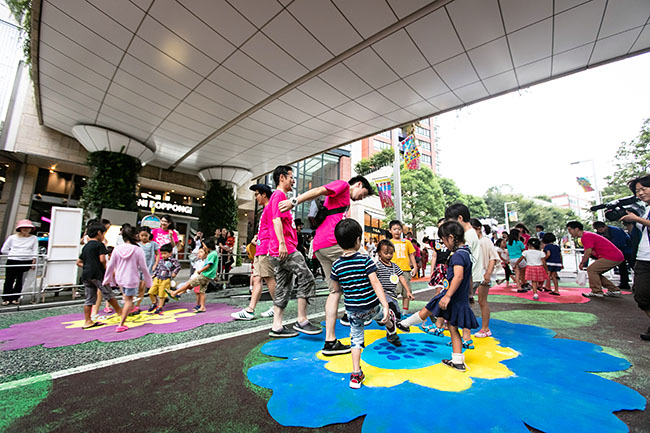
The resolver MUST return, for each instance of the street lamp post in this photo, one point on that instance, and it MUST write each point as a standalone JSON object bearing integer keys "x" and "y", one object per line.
{"x": 505, "y": 212}
{"x": 600, "y": 213}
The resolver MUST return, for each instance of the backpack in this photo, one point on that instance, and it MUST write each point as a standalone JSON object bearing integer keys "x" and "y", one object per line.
{"x": 318, "y": 212}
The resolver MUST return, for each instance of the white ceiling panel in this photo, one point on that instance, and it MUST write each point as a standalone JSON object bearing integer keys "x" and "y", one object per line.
{"x": 399, "y": 51}
{"x": 572, "y": 59}
{"x": 471, "y": 92}
{"x": 403, "y": 8}
{"x": 476, "y": 21}
{"x": 144, "y": 73}
{"x": 260, "y": 127}
{"x": 377, "y": 102}
{"x": 259, "y": 13}
{"x": 427, "y": 83}
{"x": 624, "y": 14}
{"x": 125, "y": 13}
{"x": 176, "y": 47}
{"x": 218, "y": 94}
{"x": 371, "y": 68}
{"x": 501, "y": 83}
{"x": 323, "y": 92}
{"x": 289, "y": 34}
{"x": 568, "y": 35}
{"x": 232, "y": 82}
{"x": 124, "y": 84}
{"x": 532, "y": 43}
{"x": 356, "y": 111}
{"x": 273, "y": 100}
{"x": 286, "y": 111}
{"x": 247, "y": 69}
{"x": 345, "y": 81}
{"x": 267, "y": 53}
{"x": 269, "y": 118}
{"x": 644, "y": 40}
{"x": 401, "y": 94}
{"x": 209, "y": 106}
{"x": 367, "y": 16}
{"x": 445, "y": 101}
{"x": 219, "y": 15}
{"x": 457, "y": 72}
{"x": 521, "y": 13}
{"x": 304, "y": 102}
{"x": 78, "y": 35}
{"x": 435, "y": 36}
{"x": 323, "y": 20}
{"x": 199, "y": 115}
{"x": 79, "y": 71}
{"x": 89, "y": 20}
{"x": 492, "y": 58}
{"x": 609, "y": 47}
{"x": 533, "y": 72}
{"x": 149, "y": 54}
{"x": 187, "y": 26}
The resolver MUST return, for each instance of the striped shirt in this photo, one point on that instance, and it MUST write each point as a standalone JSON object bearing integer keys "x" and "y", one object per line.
{"x": 351, "y": 272}
{"x": 389, "y": 277}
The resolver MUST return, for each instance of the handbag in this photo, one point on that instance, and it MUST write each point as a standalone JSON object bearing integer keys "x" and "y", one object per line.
{"x": 582, "y": 278}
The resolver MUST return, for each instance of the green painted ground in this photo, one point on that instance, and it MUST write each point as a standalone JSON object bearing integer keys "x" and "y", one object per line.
{"x": 547, "y": 318}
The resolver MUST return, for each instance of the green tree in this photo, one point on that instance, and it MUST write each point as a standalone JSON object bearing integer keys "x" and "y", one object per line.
{"x": 219, "y": 208}
{"x": 632, "y": 160}
{"x": 375, "y": 162}
{"x": 529, "y": 212}
{"x": 22, "y": 12}
{"x": 477, "y": 206}
{"x": 112, "y": 183}
{"x": 451, "y": 192}
{"x": 422, "y": 202}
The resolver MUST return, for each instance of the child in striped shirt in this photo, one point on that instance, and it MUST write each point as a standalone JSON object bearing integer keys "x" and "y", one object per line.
{"x": 355, "y": 275}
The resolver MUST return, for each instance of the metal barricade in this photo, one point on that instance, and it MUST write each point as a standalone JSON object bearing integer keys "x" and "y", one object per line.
{"x": 32, "y": 279}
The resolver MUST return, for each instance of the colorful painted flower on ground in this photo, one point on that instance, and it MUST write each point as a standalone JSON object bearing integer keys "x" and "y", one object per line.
{"x": 66, "y": 330}
{"x": 523, "y": 377}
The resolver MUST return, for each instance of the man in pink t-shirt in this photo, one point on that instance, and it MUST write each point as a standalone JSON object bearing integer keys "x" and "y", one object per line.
{"x": 287, "y": 260}
{"x": 606, "y": 254}
{"x": 337, "y": 199}
{"x": 262, "y": 267}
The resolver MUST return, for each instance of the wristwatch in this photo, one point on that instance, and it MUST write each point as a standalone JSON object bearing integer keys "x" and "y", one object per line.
{"x": 293, "y": 201}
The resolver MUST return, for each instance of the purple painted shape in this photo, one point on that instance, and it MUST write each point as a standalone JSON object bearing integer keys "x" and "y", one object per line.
{"x": 52, "y": 332}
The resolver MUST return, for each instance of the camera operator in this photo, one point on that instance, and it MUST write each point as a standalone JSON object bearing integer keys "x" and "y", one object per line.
{"x": 606, "y": 254}
{"x": 621, "y": 240}
{"x": 641, "y": 188}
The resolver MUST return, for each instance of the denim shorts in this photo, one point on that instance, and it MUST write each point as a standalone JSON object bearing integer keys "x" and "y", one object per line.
{"x": 357, "y": 318}
{"x": 130, "y": 292}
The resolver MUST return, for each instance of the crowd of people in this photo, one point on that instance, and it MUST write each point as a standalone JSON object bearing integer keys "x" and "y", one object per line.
{"x": 463, "y": 259}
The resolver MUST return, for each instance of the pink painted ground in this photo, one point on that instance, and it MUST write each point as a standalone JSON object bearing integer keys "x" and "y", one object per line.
{"x": 65, "y": 330}
{"x": 568, "y": 295}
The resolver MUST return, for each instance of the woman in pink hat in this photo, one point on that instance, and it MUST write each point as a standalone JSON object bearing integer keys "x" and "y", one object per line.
{"x": 21, "y": 250}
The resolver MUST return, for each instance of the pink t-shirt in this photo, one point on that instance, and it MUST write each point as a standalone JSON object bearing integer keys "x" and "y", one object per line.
{"x": 601, "y": 247}
{"x": 338, "y": 194}
{"x": 288, "y": 226}
{"x": 263, "y": 234}
{"x": 161, "y": 237}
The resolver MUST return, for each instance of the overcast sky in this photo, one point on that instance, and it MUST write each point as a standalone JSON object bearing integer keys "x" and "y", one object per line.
{"x": 528, "y": 139}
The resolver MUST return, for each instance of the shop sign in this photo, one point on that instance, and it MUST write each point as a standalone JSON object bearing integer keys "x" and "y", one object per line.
{"x": 159, "y": 202}
{"x": 374, "y": 230}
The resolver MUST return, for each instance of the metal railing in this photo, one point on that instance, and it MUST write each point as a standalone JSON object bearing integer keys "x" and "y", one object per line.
{"x": 32, "y": 279}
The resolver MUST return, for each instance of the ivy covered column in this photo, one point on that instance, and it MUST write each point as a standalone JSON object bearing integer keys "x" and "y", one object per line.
{"x": 115, "y": 161}
{"x": 220, "y": 202}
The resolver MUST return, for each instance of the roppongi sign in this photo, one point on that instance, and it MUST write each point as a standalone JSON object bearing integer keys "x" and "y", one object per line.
{"x": 165, "y": 204}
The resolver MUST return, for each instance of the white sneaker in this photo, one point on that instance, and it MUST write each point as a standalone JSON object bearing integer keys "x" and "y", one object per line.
{"x": 613, "y": 293}
{"x": 268, "y": 313}
{"x": 535, "y": 296}
{"x": 243, "y": 315}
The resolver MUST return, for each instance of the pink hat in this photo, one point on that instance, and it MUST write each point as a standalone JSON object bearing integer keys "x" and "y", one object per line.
{"x": 24, "y": 224}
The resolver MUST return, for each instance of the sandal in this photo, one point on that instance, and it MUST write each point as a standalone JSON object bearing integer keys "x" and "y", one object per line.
{"x": 5, "y": 302}
{"x": 15, "y": 302}
{"x": 483, "y": 334}
{"x": 122, "y": 328}
{"x": 554, "y": 293}
{"x": 469, "y": 344}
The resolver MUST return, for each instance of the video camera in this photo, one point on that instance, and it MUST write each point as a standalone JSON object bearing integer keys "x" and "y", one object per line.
{"x": 618, "y": 208}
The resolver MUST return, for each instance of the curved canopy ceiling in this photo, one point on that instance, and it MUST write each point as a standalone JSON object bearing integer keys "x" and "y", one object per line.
{"x": 254, "y": 84}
